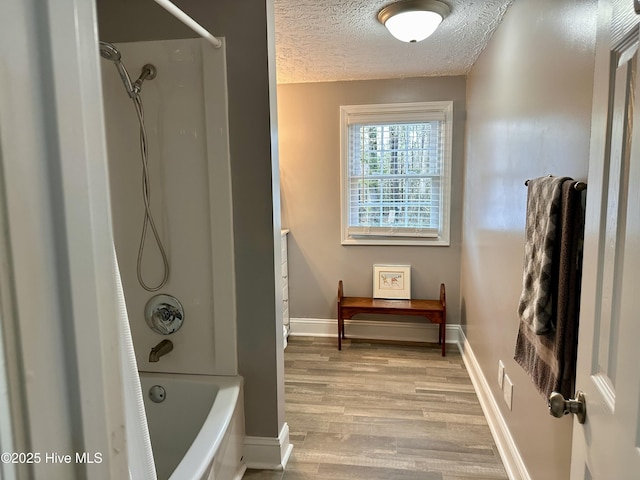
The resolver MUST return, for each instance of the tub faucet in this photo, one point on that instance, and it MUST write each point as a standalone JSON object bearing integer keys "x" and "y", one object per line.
{"x": 161, "y": 349}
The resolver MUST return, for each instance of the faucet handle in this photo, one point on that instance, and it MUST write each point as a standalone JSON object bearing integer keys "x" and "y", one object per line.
{"x": 164, "y": 314}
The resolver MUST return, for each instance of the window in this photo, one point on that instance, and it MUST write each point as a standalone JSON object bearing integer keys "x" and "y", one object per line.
{"x": 396, "y": 173}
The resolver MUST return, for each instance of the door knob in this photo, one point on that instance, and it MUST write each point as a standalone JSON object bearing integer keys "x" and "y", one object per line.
{"x": 559, "y": 407}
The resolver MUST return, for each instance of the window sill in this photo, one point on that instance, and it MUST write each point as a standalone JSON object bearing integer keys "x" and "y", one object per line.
{"x": 423, "y": 242}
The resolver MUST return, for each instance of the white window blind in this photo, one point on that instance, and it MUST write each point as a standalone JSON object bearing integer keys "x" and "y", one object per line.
{"x": 395, "y": 174}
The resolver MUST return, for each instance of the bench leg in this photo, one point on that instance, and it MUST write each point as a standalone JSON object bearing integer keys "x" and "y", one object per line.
{"x": 443, "y": 332}
{"x": 340, "y": 330}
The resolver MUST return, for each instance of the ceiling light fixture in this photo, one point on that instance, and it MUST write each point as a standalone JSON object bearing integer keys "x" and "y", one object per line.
{"x": 413, "y": 20}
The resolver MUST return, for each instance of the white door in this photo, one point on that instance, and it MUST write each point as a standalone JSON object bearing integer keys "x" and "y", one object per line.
{"x": 607, "y": 445}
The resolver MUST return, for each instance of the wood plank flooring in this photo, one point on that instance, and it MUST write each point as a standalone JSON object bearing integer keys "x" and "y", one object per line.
{"x": 382, "y": 412}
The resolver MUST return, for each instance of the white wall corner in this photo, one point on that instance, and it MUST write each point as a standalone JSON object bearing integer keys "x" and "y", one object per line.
{"x": 372, "y": 329}
{"x": 509, "y": 453}
{"x": 268, "y": 453}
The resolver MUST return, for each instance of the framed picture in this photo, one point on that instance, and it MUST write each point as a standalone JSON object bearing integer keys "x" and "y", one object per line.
{"x": 392, "y": 281}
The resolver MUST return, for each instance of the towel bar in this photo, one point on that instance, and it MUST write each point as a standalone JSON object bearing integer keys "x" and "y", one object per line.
{"x": 578, "y": 185}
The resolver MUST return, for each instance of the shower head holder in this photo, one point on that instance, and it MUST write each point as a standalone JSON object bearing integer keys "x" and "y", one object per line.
{"x": 148, "y": 72}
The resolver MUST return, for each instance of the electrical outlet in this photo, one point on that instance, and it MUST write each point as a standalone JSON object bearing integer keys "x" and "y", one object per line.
{"x": 500, "y": 373}
{"x": 508, "y": 391}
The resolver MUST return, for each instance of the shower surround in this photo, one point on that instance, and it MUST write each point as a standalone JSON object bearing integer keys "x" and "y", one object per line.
{"x": 185, "y": 111}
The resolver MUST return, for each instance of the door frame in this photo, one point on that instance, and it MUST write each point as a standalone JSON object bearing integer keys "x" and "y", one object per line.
{"x": 58, "y": 296}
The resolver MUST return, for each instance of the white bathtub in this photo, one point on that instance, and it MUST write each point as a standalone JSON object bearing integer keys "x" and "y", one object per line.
{"x": 197, "y": 432}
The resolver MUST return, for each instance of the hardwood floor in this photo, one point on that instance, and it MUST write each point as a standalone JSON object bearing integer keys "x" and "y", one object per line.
{"x": 382, "y": 412}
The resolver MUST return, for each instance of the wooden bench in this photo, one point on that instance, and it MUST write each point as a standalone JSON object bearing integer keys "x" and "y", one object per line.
{"x": 433, "y": 310}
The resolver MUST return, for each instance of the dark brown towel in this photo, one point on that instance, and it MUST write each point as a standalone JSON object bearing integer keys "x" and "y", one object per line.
{"x": 550, "y": 358}
{"x": 544, "y": 200}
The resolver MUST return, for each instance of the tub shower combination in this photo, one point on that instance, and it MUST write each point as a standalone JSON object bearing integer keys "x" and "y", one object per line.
{"x": 192, "y": 393}
{"x": 195, "y": 425}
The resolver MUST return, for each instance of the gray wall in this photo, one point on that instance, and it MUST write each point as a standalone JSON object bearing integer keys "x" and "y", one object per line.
{"x": 528, "y": 115}
{"x": 309, "y": 137}
{"x": 256, "y": 225}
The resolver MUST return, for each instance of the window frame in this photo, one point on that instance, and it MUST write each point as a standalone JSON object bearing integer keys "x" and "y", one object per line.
{"x": 390, "y": 113}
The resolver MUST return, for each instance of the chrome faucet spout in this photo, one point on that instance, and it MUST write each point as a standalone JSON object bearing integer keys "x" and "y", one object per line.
{"x": 160, "y": 350}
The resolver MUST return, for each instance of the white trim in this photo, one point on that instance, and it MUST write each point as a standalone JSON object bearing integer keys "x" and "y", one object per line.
{"x": 395, "y": 112}
{"x": 372, "y": 330}
{"x": 285, "y": 335}
{"x": 386, "y": 113}
{"x": 417, "y": 241}
{"x": 220, "y": 208}
{"x": 54, "y": 166}
{"x": 268, "y": 453}
{"x": 511, "y": 458}
{"x": 239, "y": 475}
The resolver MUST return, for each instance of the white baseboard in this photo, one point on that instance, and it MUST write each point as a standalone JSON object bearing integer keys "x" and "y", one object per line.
{"x": 268, "y": 453}
{"x": 240, "y": 473}
{"x": 511, "y": 458}
{"x": 285, "y": 335}
{"x": 372, "y": 329}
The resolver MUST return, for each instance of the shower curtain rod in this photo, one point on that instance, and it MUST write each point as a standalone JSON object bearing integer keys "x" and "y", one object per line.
{"x": 578, "y": 185}
{"x": 189, "y": 22}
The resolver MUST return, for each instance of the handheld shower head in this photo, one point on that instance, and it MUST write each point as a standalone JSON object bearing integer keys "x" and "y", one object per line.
{"x": 109, "y": 52}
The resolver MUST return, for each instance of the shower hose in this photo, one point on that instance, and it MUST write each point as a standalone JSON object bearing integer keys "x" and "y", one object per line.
{"x": 146, "y": 195}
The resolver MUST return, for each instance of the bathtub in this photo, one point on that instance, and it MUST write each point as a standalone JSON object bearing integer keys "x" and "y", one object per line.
{"x": 197, "y": 430}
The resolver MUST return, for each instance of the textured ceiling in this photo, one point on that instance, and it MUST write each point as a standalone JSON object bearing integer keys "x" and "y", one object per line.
{"x": 330, "y": 40}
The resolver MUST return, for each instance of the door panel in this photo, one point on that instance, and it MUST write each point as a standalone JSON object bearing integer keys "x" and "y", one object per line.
{"x": 614, "y": 204}
{"x": 607, "y": 444}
